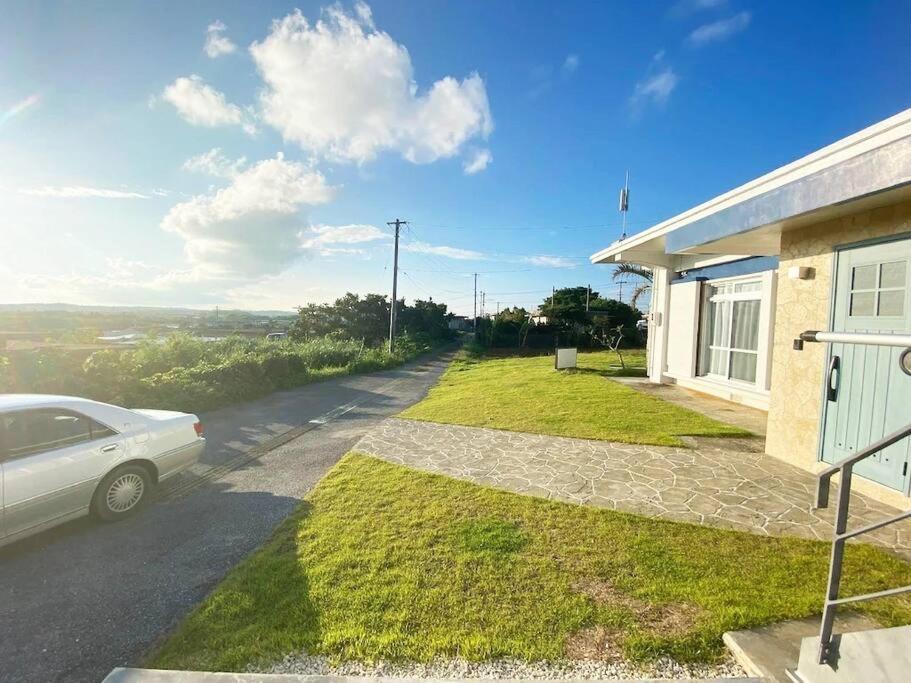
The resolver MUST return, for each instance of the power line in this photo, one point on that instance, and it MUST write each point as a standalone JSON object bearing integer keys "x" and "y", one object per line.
{"x": 466, "y": 272}
{"x": 594, "y": 226}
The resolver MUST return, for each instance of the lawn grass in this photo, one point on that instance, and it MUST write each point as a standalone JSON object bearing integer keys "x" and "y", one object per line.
{"x": 385, "y": 562}
{"x": 528, "y": 395}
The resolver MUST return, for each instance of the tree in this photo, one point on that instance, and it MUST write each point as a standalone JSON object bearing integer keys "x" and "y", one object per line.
{"x": 637, "y": 271}
{"x": 510, "y": 327}
{"x": 615, "y": 312}
{"x": 424, "y": 317}
{"x": 349, "y": 317}
{"x": 367, "y": 318}
{"x": 565, "y": 309}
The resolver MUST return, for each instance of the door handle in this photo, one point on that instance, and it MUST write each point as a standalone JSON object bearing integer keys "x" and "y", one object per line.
{"x": 109, "y": 448}
{"x": 833, "y": 373}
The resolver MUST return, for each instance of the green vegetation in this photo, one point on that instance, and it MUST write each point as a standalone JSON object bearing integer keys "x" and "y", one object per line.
{"x": 528, "y": 395}
{"x": 384, "y": 562}
{"x": 72, "y": 324}
{"x": 575, "y": 316}
{"x": 184, "y": 372}
{"x": 367, "y": 318}
{"x": 190, "y": 374}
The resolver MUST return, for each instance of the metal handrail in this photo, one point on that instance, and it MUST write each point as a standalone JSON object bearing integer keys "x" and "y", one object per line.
{"x": 846, "y": 468}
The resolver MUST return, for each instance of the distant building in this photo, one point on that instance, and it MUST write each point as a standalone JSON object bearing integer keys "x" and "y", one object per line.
{"x": 459, "y": 323}
{"x": 125, "y": 337}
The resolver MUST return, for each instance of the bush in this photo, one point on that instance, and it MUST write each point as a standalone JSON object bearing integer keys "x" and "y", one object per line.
{"x": 189, "y": 374}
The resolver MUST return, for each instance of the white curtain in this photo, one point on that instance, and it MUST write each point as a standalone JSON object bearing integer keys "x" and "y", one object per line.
{"x": 745, "y": 336}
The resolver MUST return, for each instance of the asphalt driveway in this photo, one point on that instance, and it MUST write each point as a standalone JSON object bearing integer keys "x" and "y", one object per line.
{"x": 83, "y": 598}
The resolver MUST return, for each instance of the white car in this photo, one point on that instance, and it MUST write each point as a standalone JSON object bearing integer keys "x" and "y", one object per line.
{"x": 62, "y": 457}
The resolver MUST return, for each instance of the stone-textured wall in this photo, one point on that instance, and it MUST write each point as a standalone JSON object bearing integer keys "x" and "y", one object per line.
{"x": 797, "y": 376}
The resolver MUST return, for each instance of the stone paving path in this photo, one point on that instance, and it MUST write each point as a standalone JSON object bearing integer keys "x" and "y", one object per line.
{"x": 739, "y": 490}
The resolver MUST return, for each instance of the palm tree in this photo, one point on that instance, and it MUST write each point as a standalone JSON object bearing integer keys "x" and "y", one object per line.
{"x": 640, "y": 272}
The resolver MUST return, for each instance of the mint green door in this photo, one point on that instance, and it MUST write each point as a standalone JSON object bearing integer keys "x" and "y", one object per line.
{"x": 867, "y": 394}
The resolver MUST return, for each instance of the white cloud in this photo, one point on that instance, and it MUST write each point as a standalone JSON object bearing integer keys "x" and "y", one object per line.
{"x": 477, "y": 162}
{"x": 655, "y": 89}
{"x": 252, "y": 227}
{"x": 200, "y": 104}
{"x": 447, "y": 252}
{"x": 719, "y": 30}
{"x": 344, "y": 251}
{"x": 218, "y": 44}
{"x": 684, "y": 8}
{"x": 214, "y": 163}
{"x": 345, "y": 90}
{"x": 80, "y": 192}
{"x": 570, "y": 64}
{"x": 124, "y": 283}
{"x": 550, "y": 261}
{"x": 320, "y": 236}
{"x": 18, "y": 108}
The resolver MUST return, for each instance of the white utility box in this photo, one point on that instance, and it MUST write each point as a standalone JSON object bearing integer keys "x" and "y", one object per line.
{"x": 565, "y": 358}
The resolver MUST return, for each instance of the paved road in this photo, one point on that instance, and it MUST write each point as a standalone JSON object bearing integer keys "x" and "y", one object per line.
{"x": 83, "y": 598}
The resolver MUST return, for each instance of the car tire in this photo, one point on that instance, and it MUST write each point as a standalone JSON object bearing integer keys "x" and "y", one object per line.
{"x": 121, "y": 493}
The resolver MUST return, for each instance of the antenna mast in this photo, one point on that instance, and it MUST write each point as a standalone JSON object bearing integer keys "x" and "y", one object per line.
{"x": 624, "y": 204}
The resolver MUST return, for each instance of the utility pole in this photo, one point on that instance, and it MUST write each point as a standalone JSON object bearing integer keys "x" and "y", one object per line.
{"x": 498, "y": 308}
{"x": 588, "y": 296}
{"x": 395, "y": 282}
{"x": 475, "y": 320}
{"x": 482, "y": 304}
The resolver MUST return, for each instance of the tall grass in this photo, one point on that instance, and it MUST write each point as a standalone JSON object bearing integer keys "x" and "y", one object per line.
{"x": 189, "y": 374}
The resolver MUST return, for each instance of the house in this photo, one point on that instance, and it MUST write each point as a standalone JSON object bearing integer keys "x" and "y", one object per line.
{"x": 539, "y": 317}
{"x": 823, "y": 243}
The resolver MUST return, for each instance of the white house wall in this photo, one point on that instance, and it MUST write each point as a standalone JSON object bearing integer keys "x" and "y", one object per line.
{"x": 683, "y": 326}
{"x": 674, "y": 337}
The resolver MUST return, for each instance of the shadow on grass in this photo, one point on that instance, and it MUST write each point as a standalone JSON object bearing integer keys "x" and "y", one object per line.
{"x": 615, "y": 371}
{"x": 260, "y": 612}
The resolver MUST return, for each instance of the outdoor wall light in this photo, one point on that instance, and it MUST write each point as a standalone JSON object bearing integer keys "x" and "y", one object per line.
{"x": 801, "y": 273}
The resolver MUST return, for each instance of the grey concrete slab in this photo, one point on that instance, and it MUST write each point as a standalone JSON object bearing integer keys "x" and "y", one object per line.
{"x": 881, "y": 656}
{"x": 159, "y": 676}
{"x": 740, "y": 490}
{"x": 751, "y": 419}
{"x": 86, "y": 597}
{"x": 769, "y": 652}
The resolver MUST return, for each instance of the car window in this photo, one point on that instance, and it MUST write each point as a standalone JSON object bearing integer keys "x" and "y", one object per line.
{"x": 36, "y": 431}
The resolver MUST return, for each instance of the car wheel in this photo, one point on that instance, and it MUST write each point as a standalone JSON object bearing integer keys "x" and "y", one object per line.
{"x": 121, "y": 493}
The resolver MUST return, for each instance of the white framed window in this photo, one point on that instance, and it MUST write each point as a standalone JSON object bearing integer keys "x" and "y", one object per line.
{"x": 731, "y": 321}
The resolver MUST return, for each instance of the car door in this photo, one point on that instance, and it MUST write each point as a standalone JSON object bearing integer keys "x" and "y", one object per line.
{"x": 2, "y": 451}
{"x": 868, "y": 394}
{"x": 52, "y": 461}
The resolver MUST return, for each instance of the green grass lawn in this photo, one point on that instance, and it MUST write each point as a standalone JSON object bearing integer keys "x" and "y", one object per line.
{"x": 528, "y": 395}
{"x": 384, "y": 562}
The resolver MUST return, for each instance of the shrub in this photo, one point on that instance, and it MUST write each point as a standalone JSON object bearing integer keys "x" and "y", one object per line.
{"x": 190, "y": 374}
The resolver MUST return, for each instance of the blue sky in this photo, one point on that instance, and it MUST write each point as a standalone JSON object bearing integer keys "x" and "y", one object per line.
{"x": 149, "y": 155}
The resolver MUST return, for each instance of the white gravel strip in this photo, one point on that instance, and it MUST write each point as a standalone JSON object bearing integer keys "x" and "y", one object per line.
{"x": 504, "y": 668}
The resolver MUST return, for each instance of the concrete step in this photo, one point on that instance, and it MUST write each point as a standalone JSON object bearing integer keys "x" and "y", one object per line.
{"x": 879, "y": 656}
{"x": 771, "y": 651}
{"x": 162, "y": 676}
